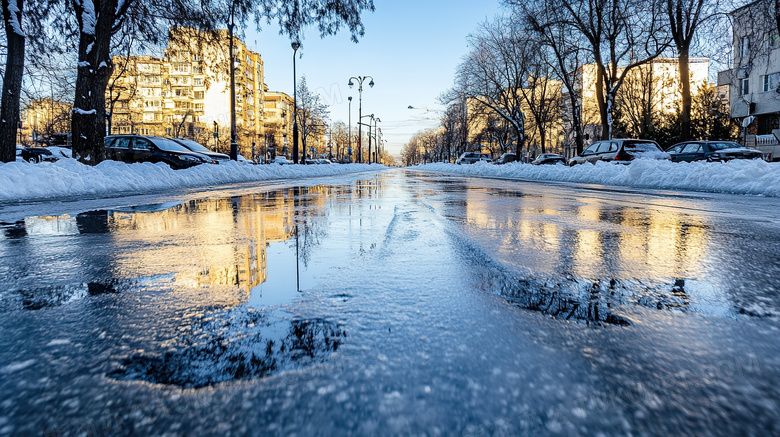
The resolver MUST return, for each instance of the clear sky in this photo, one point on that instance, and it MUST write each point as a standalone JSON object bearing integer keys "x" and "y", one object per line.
{"x": 410, "y": 48}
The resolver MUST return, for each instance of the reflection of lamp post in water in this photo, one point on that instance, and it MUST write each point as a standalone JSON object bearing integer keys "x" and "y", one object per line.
{"x": 296, "y": 193}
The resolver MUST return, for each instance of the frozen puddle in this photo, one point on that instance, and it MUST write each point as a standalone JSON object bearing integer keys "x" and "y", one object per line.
{"x": 237, "y": 344}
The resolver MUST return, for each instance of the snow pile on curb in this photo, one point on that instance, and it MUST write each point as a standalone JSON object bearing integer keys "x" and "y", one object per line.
{"x": 738, "y": 176}
{"x": 67, "y": 177}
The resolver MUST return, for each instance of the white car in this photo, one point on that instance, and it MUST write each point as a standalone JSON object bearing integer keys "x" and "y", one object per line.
{"x": 281, "y": 160}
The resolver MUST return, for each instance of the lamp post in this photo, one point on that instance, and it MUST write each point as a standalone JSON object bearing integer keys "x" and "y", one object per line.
{"x": 233, "y": 144}
{"x": 295, "y": 46}
{"x": 376, "y": 140}
{"x": 370, "y": 117}
{"x": 360, "y": 80}
{"x": 349, "y": 129}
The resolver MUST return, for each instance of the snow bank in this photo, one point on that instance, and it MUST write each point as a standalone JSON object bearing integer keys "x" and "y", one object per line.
{"x": 738, "y": 176}
{"x": 68, "y": 178}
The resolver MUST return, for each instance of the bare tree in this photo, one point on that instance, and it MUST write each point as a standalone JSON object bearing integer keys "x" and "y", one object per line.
{"x": 312, "y": 113}
{"x": 568, "y": 56}
{"x": 619, "y": 35}
{"x": 685, "y": 18}
{"x": 493, "y": 73}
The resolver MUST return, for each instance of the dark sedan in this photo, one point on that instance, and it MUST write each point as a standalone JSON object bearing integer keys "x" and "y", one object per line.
{"x": 35, "y": 154}
{"x": 711, "y": 151}
{"x": 136, "y": 148}
{"x": 198, "y": 148}
{"x": 549, "y": 158}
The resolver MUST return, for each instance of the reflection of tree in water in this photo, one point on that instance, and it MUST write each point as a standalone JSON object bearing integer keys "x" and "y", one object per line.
{"x": 310, "y": 222}
{"x": 590, "y": 301}
{"x": 233, "y": 345}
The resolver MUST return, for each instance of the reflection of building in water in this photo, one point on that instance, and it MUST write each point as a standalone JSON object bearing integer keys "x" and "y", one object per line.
{"x": 596, "y": 239}
{"x": 230, "y": 234}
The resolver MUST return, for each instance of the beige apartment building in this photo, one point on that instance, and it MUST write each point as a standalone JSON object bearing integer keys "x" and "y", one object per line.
{"x": 278, "y": 111}
{"x": 42, "y": 118}
{"x": 659, "y": 79}
{"x": 186, "y": 93}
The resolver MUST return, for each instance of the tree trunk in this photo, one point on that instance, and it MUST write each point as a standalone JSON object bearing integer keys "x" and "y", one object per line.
{"x": 94, "y": 70}
{"x": 12, "y": 81}
{"x": 576, "y": 120}
{"x": 602, "y": 103}
{"x": 685, "y": 82}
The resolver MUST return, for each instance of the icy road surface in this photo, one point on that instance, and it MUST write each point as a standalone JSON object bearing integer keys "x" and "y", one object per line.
{"x": 392, "y": 303}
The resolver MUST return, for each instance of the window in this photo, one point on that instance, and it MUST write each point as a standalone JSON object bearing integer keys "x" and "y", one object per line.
{"x": 142, "y": 144}
{"x": 199, "y": 94}
{"x": 744, "y": 46}
{"x": 122, "y": 143}
{"x": 198, "y": 81}
{"x": 197, "y": 70}
{"x": 199, "y": 107}
{"x": 770, "y": 82}
{"x": 745, "y": 87}
{"x": 692, "y": 148}
{"x": 773, "y": 39}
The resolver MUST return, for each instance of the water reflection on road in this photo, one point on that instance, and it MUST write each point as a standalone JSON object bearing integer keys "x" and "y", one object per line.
{"x": 378, "y": 304}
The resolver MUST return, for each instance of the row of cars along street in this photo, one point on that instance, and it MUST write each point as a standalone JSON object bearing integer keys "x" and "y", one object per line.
{"x": 178, "y": 153}
{"x": 623, "y": 151}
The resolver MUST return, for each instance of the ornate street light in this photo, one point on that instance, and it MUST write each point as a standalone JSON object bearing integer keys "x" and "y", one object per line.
{"x": 295, "y": 46}
{"x": 360, "y": 80}
{"x": 233, "y": 143}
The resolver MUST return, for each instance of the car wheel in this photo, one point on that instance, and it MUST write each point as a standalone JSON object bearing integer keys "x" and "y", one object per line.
{"x": 35, "y": 159}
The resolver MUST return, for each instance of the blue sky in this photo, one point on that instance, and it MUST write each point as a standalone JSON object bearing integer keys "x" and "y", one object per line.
{"x": 410, "y": 48}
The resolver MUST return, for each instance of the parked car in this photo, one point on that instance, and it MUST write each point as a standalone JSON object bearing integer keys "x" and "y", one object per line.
{"x": 35, "y": 154}
{"x": 506, "y": 158}
{"x": 549, "y": 158}
{"x": 711, "y": 151}
{"x": 198, "y": 148}
{"x": 281, "y": 160}
{"x": 621, "y": 151}
{"x": 137, "y": 148}
{"x": 60, "y": 139}
{"x": 472, "y": 157}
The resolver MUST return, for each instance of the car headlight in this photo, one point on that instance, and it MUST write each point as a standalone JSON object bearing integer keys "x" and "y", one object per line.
{"x": 190, "y": 158}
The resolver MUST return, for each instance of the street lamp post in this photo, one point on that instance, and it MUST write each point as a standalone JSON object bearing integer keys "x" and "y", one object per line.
{"x": 295, "y": 46}
{"x": 360, "y": 80}
{"x": 377, "y": 155}
{"x": 370, "y": 117}
{"x": 233, "y": 144}
{"x": 349, "y": 129}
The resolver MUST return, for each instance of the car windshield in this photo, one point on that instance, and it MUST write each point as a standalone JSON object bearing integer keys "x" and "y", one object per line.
{"x": 168, "y": 145}
{"x": 721, "y": 146}
{"x": 192, "y": 145}
{"x": 640, "y": 146}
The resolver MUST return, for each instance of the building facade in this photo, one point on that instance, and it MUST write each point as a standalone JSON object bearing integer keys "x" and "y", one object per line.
{"x": 754, "y": 77}
{"x": 651, "y": 88}
{"x": 42, "y": 118}
{"x": 278, "y": 109}
{"x": 186, "y": 93}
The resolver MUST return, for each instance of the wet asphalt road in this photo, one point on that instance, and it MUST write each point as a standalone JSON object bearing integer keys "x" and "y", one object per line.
{"x": 392, "y": 303}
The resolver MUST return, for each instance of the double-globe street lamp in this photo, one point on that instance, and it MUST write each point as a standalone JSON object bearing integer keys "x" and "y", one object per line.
{"x": 295, "y": 46}
{"x": 360, "y": 80}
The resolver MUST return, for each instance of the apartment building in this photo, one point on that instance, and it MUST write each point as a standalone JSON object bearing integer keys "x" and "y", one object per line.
{"x": 754, "y": 77}
{"x": 278, "y": 109}
{"x": 186, "y": 93}
{"x": 42, "y": 118}
{"x": 654, "y": 86}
